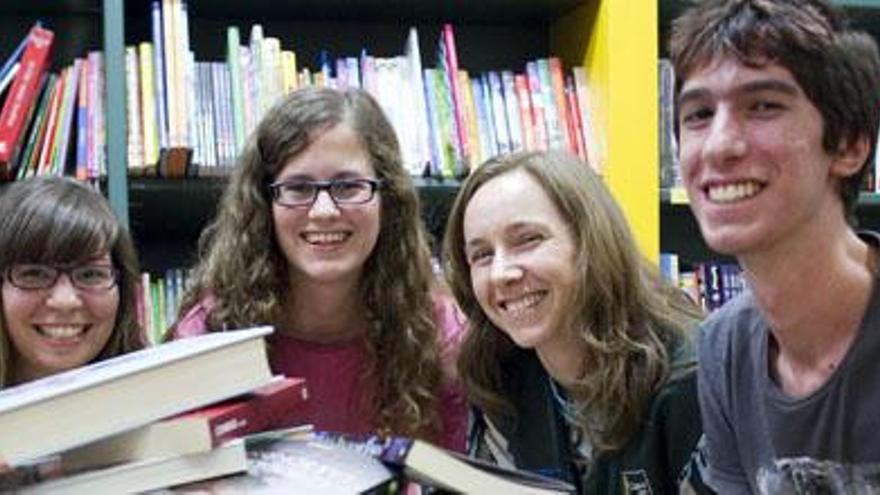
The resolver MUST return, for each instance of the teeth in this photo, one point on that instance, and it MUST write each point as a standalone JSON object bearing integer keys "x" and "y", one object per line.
{"x": 518, "y": 306}
{"x": 729, "y": 193}
{"x": 60, "y": 332}
{"x": 324, "y": 237}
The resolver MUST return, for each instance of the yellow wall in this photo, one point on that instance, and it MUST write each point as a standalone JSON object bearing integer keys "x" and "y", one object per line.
{"x": 616, "y": 40}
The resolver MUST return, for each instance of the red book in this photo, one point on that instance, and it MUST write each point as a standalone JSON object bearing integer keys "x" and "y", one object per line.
{"x": 23, "y": 94}
{"x": 273, "y": 406}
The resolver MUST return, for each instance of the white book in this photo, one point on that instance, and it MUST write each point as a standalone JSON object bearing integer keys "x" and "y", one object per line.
{"x": 150, "y": 474}
{"x": 75, "y": 407}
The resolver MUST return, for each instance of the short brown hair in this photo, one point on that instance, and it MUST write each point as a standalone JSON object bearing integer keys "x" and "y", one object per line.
{"x": 61, "y": 221}
{"x": 838, "y": 69}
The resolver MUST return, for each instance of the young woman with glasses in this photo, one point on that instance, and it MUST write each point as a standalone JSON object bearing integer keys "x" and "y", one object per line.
{"x": 318, "y": 233}
{"x": 69, "y": 280}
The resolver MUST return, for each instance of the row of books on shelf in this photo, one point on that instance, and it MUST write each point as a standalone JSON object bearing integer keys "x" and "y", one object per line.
{"x": 443, "y": 116}
{"x": 51, "y": 124}
{"x": 188, "y": 117}
{"x": 226, "y": 426}
{"x": 160, "y": 299}
{"x": 711, "y": 284}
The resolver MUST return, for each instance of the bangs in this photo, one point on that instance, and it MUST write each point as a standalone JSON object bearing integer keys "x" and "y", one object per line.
{"x": 59, "y": 233}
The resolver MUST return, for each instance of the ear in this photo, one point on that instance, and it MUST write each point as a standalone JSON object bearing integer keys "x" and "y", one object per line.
{"x": 851, "y": 157}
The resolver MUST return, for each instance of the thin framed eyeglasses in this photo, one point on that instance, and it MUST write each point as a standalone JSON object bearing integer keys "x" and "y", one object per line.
{"x": 303, "y": 193}
{"x": 88, "y": 278}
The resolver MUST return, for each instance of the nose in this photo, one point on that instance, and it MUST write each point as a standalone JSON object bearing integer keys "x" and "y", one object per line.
{"x": 505, "y": 270}
{"x": 726, "y": 138}
{"x": 323, "y": 205}
{"x": 63, "y": 294}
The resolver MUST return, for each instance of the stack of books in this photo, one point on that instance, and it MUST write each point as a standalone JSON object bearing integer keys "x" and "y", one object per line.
{"x": 205, "y": 414}
{"x": 159, "y": 417}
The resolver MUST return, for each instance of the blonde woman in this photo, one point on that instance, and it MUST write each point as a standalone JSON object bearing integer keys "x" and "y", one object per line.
{"x": 578, "y": 359}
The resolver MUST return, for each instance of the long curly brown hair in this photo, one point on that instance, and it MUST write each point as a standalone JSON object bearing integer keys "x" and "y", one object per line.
{"x": 627, "y": 315}
{"x": 64, "y": 222}
{"x": 243, "y": 267}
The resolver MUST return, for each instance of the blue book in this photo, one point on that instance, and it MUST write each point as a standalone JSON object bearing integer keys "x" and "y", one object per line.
{"x": 159, "y": 74}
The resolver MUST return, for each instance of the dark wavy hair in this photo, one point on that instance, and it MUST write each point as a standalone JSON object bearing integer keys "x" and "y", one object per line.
{"x": 242, "y": 265}
{"x": 64, "y": 222}
{"x": 627, "y": 316}
{"x": 837, "y": 68}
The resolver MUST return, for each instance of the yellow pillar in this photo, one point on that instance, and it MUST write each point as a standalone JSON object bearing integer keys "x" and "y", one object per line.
{"x": 616, "y": 41}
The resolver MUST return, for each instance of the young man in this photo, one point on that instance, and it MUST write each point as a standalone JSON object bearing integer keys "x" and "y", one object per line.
{"x": 777, "y": 122}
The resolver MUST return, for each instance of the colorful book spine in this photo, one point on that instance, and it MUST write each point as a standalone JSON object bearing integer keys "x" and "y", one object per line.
{"x": 23, "y": 94}
{"x": 148, "y": 104}
{"x": 82, "y": 112}
{"x": 159, "y": 80}
{"x": 451, "y": 54}
{"x": 539, "y": 116}
{"x": 59, "y": 157}
{"x": 233, "y": 60}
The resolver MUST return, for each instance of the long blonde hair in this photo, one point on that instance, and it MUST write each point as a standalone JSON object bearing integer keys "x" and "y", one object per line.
{"x": 627, "y": 315}
{"x": 242, "y": 266}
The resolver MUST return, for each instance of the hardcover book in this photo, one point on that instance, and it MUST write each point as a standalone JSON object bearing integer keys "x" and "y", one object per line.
{"x": 270, "y": 407}
{"x": 23, "y": 94}
{"x": 445, "y": 470}
{"x": 86, "y": 404}
{"x": 149, "y": 474}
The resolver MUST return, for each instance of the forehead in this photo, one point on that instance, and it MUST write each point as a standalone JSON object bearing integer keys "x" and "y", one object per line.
{"x": 513, "y": 198}
{"x": 726, "y": 76}
{"x": 335, "y": 153}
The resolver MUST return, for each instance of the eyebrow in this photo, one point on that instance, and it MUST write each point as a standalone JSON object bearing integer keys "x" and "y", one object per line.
{"x": 774, "y": 85}
{"x": 342, "y": 175}
{"x": 513, "y": 228}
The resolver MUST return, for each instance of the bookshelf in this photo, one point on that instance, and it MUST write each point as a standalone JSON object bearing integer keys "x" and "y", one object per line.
{"x": 167, "y": 216}
{"x": 492, "y": 34}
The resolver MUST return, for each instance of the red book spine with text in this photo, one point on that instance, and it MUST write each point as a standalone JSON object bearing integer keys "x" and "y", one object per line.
{"x": 23, "y": 94}
{"x": 276, "y": 405}
{"x": 273, "y": 406}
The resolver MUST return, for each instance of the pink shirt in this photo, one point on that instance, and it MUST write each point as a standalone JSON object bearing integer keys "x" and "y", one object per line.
{"x": 337, "y": 393}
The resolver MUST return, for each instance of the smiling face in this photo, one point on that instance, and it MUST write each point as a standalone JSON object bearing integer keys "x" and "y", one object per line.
{"x": 58, "y": 328}
{"x": 520, "y": 257}
{"x": 752, "y": 157}
{"x": 328, "y": 243}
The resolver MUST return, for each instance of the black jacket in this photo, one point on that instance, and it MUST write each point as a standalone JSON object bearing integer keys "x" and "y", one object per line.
{"x": 662, "y": 458}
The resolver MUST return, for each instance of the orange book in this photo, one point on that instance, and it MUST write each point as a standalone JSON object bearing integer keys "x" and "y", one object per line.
{"x": 558, "y": 88}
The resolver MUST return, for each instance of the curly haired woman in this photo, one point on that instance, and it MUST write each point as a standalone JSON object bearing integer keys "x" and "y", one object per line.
{"x": 318, "y": 233}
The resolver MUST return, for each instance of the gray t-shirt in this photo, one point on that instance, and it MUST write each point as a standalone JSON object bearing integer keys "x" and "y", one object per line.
{"x": 755, "y": 432}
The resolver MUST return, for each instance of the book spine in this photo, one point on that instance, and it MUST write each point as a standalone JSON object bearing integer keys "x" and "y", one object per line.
{"x": 148, "y": 104}
{"x": 537, "y": 100}
{"x": 451, "y": 54}
{"x": 23, "y": 93}
{"x": 38, "y": 129}
{"x": 233, "y": 60}
{"x": 511, "y": 110}
{"x": 557, "y": 84}
{"x": 82, "y": 111}
{"x": 160, "y": 104}
{"x": 272, "y": 407}
{"x": 68, "y": 109}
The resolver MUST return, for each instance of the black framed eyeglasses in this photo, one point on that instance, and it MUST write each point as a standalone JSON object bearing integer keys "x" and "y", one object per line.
{"x": 303, "y": 193}
{"x": 88, "y": 278}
